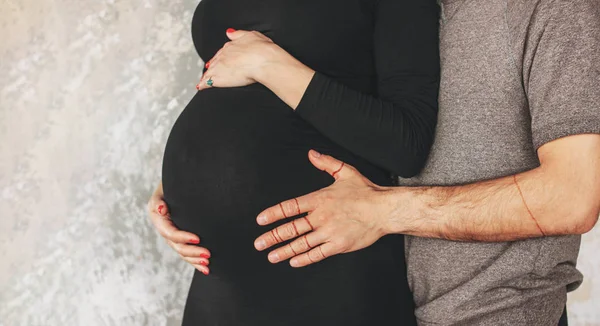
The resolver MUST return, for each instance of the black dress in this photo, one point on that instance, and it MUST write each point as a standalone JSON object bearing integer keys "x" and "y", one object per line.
{"x": 236, "y": 151}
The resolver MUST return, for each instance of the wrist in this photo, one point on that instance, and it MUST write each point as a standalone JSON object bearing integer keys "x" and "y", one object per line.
{"x": 401, "y": 210}
{"x": 272, "y": 58}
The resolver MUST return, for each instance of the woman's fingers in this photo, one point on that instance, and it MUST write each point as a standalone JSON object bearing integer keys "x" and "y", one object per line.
{"x": 197, "y": 261}
{"x": 169, "y": 231}
{"x": 160, "y": 218}
{"x": 203, "y": 269}
{"x": 212, "y": 60}
{"x": 191, "y": 251}
{"x": 211, "y": 74}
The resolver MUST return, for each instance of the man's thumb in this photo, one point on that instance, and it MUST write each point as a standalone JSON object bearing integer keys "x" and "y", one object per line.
{"x": 334, "y": 167}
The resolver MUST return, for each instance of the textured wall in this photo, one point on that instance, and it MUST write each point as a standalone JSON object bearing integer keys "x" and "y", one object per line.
{"x": 88, "y": 92}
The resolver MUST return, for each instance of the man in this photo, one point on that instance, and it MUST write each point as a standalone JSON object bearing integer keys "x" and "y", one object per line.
{"x": 512, "y": 181}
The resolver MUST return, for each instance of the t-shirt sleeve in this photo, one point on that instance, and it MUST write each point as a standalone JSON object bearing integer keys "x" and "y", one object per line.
{"x": 562, "y": 70}
{"x": 394, "y": 127}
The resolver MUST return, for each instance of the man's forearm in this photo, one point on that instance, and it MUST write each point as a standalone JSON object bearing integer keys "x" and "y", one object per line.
{"x": 495, "y": 210}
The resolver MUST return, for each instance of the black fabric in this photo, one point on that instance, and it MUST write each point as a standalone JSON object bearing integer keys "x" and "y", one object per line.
{"x": 233, "y": 152}
{"x": 564, "y": 321}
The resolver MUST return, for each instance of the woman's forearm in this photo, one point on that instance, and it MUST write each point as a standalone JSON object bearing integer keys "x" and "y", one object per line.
{"x": 284, "y": 75}
{"x": 392, "y": 129}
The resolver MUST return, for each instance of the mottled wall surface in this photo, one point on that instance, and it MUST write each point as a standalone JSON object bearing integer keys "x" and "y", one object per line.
{"x": 88, "y": 93}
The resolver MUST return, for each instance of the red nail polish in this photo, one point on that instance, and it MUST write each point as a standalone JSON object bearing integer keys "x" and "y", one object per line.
{"x": 198, "y": 86}
{"x": 203, "y": 263}
{"x": 207, "y": 65}
{"x": 205, "y": 256}
{"x": 160, "y": 207}
{"x": 194, "y": 241}
{"x": 230, "y": 30}
{"x": 205, "y": 272}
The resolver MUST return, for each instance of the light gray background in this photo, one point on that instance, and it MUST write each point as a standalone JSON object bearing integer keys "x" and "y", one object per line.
{"x": 88, "y": 93}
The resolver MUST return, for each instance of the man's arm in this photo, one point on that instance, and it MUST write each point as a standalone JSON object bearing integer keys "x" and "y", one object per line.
{"x": 561, "y": 196}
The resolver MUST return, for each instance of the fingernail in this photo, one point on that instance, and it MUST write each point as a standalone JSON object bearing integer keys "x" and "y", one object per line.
{"x": 230, "y": 30}
{"x": 198, "y": 86}
{"x": 203, "y": 263}
{"x": 315, "y": 153}
{"x": 160, "y": 207}
{"x": 261, "y": 244}
{"x": 205, "y": 272}
{"x": 273, "y": 257}
{"x": 194, "y": 241}
{"x": 204, "y": 256}
{"x": 261, "y": 219}
{"x": 207, "y": 65}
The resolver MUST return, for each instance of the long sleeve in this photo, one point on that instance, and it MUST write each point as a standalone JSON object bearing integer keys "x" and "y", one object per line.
{"x": 394, "y": 127}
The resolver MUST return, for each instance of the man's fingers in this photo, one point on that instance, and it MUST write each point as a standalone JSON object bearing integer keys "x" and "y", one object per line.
{"x": 190, "y": 251}
{"x": 301, "y": 245}
{"x": 288, "y": 208}
{"x": 336, "y": 168}
{"x": 283, "y": 233}
{"x": 315, "y": 255}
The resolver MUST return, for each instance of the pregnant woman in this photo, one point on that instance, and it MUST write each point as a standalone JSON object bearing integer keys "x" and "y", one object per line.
{"x": 369, "y": 98}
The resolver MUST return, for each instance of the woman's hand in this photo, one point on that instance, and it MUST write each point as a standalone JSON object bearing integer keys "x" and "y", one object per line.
{"x": 178, "y": 240}
{"x": 238, "y": 61}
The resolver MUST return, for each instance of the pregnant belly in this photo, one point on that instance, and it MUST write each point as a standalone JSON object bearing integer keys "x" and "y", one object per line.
{"x": 233, "y": 153}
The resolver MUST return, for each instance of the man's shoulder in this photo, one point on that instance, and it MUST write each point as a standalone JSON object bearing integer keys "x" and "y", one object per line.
{"x": 562, "y": 21}
{"x": 537, "y": 13}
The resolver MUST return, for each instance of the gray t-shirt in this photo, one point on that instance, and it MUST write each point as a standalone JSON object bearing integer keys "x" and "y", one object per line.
{"x": 515, "y": 75}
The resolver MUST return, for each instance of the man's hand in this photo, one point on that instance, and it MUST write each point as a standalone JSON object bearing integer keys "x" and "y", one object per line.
{"x": 178, "y": 240}
{"x": 344, "y": 217}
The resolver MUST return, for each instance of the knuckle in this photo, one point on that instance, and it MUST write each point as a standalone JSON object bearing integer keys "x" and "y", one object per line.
{"x": 326, "y": 195}
{"x": 314, "y": 256}
{"x": 178, "y": 248}
{"x": 296, "y": 247}
{"x": 286, "y": 252}
{"x": 339, "y": 247}
{"x": 271, "y": 238}
{"x": 351, "y": 168}
{"x": 320, "y": 219}
{"x": 300, "y": 246}
{"x": 288, "y": 230}
{"x": 287, "y": 206}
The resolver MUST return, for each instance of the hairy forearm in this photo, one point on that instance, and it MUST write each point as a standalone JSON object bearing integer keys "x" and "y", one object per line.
{"x": 493, "y": 210}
